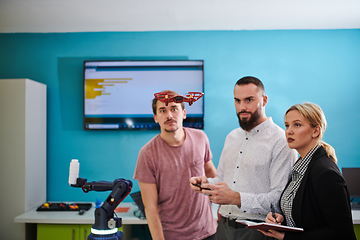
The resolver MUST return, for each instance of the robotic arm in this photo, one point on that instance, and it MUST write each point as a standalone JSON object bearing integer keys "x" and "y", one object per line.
{"x": 105, "y": 223}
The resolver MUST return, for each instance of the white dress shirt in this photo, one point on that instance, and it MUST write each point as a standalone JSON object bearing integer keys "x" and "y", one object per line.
{"x": 257, "y": 164}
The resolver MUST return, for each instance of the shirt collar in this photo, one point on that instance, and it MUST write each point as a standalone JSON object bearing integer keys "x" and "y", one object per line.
{"x": 262, "y": 126}
{"x": 302, "y": 163}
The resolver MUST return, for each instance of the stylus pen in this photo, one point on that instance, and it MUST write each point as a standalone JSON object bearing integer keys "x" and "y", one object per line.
{"x": 273, "y": 212}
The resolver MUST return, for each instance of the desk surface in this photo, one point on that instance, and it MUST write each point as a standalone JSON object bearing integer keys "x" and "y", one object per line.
{"x": 33, "y": 216}
{"x": 57, "y": 217}
{"x": 356, "y": 216}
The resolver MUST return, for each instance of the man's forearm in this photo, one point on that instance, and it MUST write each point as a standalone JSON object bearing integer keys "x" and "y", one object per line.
{"x": 154, "y": 224}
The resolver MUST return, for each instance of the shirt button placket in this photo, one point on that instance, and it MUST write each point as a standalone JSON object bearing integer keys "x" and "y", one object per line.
{"x": 237, "y": 173}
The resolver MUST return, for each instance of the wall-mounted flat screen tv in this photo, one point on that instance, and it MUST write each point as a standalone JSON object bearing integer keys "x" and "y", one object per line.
{"x": 118, "y": 94}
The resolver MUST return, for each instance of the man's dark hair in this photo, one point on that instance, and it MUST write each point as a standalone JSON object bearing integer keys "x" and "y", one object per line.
{"x": 249, "y": 79}
{"x": 154, "y": 101}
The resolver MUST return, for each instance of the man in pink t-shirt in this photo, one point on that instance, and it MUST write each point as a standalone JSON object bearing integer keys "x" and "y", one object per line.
{"x": 164, "y": 166}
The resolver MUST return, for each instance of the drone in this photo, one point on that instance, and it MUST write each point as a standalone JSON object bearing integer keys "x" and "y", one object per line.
{"x": 167, "y": 97}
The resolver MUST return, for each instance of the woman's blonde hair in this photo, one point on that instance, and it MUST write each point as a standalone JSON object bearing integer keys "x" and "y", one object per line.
{"x": 316, "y": 117}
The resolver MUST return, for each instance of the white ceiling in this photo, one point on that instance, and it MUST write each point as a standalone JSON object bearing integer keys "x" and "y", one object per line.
{"x": 177, "y": 15}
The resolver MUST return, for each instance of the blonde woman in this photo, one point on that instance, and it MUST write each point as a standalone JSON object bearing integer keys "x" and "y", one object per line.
{"x": 316, "y": 198}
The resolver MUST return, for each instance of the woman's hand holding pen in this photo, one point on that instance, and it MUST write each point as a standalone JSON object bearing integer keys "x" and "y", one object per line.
{"x": 272, "y": 216}
{"x": 277, "y": 219}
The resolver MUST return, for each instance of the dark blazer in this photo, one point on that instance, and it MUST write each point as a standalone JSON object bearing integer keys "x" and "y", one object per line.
{"x": 322, "y": 204}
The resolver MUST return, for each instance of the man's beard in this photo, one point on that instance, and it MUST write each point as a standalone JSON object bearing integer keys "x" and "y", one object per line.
{"x": 250, "y": 123}
{"x": 170, "y": 130}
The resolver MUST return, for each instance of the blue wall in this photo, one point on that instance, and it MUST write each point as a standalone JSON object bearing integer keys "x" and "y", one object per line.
{"x": 321, "y": 66}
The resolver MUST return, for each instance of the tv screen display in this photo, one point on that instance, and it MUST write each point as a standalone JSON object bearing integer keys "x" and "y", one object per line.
{"x": 352, "y": 179}
{"x": 118, "y": 94}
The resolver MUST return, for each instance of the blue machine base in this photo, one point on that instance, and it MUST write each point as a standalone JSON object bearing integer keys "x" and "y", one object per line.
{"x": 115, "y": 236}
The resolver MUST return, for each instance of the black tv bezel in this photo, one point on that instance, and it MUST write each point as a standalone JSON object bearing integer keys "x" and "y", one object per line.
{"x": 192, "y": 122}
{"x": 351, "y": 183}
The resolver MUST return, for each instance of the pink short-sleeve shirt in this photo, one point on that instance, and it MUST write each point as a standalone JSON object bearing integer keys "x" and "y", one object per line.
{"x": 184, "y": 213}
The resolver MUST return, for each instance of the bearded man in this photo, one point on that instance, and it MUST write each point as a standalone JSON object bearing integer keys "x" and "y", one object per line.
{"x": 254, "y": 166}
